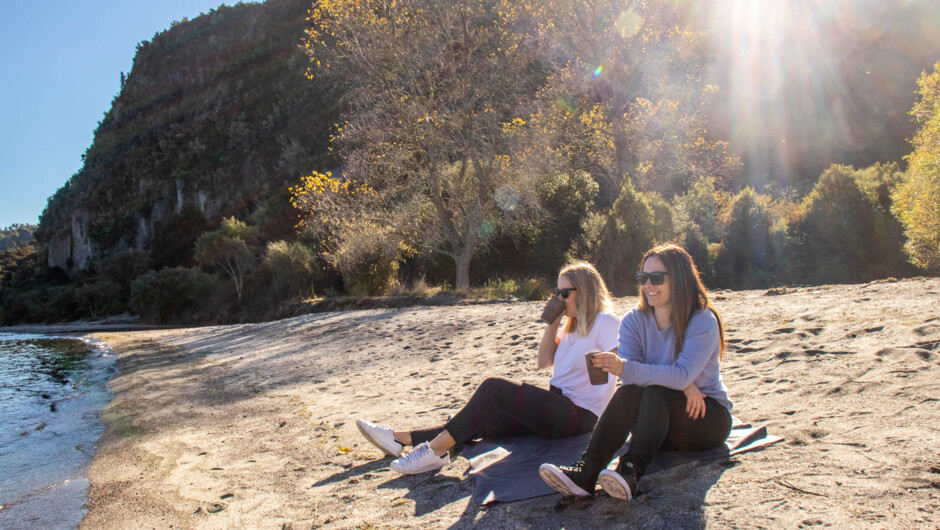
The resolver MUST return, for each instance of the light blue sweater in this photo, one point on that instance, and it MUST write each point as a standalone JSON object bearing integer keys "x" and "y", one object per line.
{"x": 650, "y": 358}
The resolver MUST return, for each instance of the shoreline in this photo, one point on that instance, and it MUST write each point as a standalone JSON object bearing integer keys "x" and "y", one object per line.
{"x": 53, "y": 394}
{"x": 252, "y": 425}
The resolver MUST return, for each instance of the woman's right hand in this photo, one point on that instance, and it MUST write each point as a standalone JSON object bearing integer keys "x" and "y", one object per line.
{"x": 694, "y": 402}
{"x": 609, "y": 362}
{"x": 557, "y": 321}
{"x": 549, "y": 342}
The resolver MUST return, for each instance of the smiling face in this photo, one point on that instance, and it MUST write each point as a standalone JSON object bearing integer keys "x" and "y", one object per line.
{"x": 659, "y": 297}
{"x": 571, "y": 308}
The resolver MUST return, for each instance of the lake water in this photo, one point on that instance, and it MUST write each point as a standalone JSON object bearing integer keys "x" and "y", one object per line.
{"x": 52, "y": 391}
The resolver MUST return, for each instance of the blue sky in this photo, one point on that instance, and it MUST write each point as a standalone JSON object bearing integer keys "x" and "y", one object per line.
{"x": 61, "y": 64}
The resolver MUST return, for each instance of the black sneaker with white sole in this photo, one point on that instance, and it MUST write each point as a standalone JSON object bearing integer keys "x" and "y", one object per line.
{"x": 620, "y": 484}
{"x": 576, "y": 480}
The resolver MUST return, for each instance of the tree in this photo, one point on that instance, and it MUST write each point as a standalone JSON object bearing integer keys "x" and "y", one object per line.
{"x": 229, "y": 248}
{"x": 628, "y": 96}
{"x": 842, "y": 235}
{"x": 917, "y": 199}
{"x": 435, "y": 98}
{"x": 99, "y": 297}
{"x": 614, "y": 241}
{"x": 751, "y": 253}
{"x": 16, "y": 234}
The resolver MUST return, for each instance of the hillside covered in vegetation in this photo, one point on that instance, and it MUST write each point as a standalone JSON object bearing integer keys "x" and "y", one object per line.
{"x": 261, "y": 154}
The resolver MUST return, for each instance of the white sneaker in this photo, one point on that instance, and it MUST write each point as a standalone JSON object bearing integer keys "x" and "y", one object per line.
{"x": 381, "y": 436}
{"x": 557, "y": 478}
{"x": 618, "y": 486}
{"x": 421, "y": 460}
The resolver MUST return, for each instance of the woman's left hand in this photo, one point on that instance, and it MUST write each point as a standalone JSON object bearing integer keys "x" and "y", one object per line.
{"x": 694, "y": 402}
{"x": 609, "y": 362}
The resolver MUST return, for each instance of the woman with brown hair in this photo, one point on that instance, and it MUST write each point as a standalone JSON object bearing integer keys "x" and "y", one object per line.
{"x": 672, "y": 395}
{"x": 501, "y": 407}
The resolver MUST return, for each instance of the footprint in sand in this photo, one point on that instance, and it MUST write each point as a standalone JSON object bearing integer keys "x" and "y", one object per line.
{"x": 925, "y": 331}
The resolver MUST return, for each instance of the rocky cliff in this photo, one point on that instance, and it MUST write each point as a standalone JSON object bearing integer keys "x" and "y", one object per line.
{"x": 215, "y": 119}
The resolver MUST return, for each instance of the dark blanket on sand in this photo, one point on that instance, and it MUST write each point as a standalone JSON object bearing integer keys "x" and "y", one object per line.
{"x": 507, "y": 469}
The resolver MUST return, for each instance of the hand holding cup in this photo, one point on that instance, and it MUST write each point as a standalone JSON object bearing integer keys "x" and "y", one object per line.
{"x": 609, "y": 362}
{"x": 553, "y": 310}
{"x": 597, "y": 375}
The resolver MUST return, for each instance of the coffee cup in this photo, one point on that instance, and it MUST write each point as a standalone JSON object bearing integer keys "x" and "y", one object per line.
{"x": 597, "y": 375}
{"x": 553, "y": 309}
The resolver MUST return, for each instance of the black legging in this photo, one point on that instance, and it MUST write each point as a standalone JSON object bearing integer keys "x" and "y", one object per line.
{"x": 501, "y": 407}
{"x": 657, "y": 418}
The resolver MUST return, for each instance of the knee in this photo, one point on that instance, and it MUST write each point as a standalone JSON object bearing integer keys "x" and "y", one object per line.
{"x": 624, "y": 396}
{"x": 492, "y": 383}
{"x": 655, "y": 390}
{"x": 492, "y": 386}
{"x": 628, "y": 392}
{"x": 658, "y": 393}
{"x": 660, "y": 396}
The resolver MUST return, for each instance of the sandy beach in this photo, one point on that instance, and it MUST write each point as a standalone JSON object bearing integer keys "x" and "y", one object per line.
{"x": 253, "y": 426}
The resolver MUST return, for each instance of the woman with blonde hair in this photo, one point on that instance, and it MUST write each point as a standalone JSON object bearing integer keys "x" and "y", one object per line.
{"x": 672, "y": 396}
{"x": 500, "y": 407}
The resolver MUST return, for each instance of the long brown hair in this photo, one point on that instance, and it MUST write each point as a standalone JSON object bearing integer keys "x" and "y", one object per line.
{"x": 687, "y": 293}
{"x": 593, "y": 296}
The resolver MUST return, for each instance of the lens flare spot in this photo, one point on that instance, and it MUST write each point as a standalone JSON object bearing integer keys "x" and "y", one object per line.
{"x": 507, "y": 198}
{"x": 628, "y": 24}
{"x": 565, "y": 105}
{"x": 487, "y": 228}
{"x": 598, "y": 71}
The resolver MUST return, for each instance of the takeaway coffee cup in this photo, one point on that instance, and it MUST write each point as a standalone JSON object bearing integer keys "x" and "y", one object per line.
{"x": 597, "y": 375}
{"x": 554, "y": 308}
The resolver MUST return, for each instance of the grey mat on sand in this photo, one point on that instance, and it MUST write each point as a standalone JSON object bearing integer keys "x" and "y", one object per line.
{"x": 507, "y": 469}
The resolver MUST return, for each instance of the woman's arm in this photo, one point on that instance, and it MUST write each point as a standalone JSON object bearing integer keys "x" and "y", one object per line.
{"x": 630, "y": 339}
{"x": 549, "y": 344}
{"x": 701, "y": 343}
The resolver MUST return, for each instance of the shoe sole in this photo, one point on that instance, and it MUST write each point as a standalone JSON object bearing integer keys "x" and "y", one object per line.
{"x": 557, "y": 479}
{"x": 615, "y": 485}
{"x": 368, "y": 436}
{"x": 435, "y": 467}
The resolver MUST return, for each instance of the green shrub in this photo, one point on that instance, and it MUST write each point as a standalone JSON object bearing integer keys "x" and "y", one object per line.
{"x": 917, "y": 199}
{"x": 419, "y": 288}
{"x": 13, "y": 307}
{"x": 99, "y": 298}
{"x": 367, "y": 258}
{"x": 495, "y": 289}
{"x": 174, "y": 241}
{"x": 530, "y": 289}
{"x": 534, "y": 289}
{"x": 37, "y": 303}
{"x": 287, "y": 273}
{"x": 288, "y": 270}
{"x": 230, "y": 249}
{"x": 719, "y": 272}
{"x": 664, "y": 217}
{"x": 174, "y": 294}
{"x": 615, "y": 241}
{"x": 689, "y": 237}
{"x": 750, "y": 256}
{"x": 567, "y": 200}
{"x": 123, "y": 268}
{"x": 701, "y": 206}
{"x": 842, "y": 234}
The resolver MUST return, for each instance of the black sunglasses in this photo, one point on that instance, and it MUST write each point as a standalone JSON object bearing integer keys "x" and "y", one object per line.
{"x": 657, "y": 277}
{"x": 564, "y": 292}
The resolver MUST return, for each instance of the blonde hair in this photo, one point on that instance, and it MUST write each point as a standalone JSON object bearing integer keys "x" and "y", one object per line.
{"x": 593, "y": 296}
{"x": 687, "y": 292}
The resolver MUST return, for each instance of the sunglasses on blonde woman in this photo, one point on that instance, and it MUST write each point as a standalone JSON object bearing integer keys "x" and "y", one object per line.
{"x": 564, "y": 292}
{"x": 657, "y": 277}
